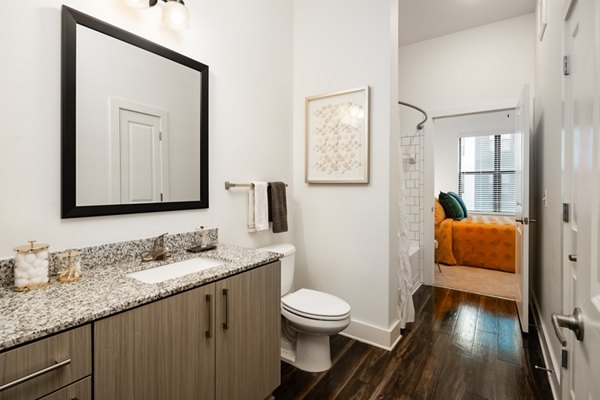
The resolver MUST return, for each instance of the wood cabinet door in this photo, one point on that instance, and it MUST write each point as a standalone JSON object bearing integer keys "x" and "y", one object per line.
{"x": 248, "y": 328}
{"x": 163, "y": 350}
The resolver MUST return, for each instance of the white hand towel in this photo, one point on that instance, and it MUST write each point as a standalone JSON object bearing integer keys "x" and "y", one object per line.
{"x": 258, "y": 207}
{"x": 251, "y": 221}
{"x": 261, "y": 206}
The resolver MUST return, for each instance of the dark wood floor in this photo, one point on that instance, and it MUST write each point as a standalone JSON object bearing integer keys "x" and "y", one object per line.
{"x": 462, "y": 346}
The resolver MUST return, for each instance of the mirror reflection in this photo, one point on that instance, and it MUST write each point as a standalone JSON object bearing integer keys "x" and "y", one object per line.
{"x": 137, "y": 124}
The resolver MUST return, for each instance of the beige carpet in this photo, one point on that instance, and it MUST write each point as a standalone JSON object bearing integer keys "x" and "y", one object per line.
{"x": 477, "y": 280}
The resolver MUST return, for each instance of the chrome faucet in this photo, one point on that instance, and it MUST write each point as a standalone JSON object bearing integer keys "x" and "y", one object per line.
{"x": 159, "y": 251}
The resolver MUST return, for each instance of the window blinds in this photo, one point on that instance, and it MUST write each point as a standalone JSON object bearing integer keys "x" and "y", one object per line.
{"x": 486, "y": 176}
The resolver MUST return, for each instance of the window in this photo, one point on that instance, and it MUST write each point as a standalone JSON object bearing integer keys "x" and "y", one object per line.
{"x": 486, "y": 173}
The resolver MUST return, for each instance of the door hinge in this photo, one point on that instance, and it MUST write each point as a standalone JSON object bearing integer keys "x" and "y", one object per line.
{"x": 565, "y": 212}
{"x": 159, "y": 135}
{"x": 161, "y": 197}
{"x": 564, "y": 359}
{"x": 566, "y": 66}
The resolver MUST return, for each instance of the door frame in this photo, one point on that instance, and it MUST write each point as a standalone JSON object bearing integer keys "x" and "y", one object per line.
{"x": 428, "y": 269}
{"x": 563, "y": 375}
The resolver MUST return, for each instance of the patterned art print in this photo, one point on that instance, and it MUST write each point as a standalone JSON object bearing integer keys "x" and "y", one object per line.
{"x": 337, "y": 137}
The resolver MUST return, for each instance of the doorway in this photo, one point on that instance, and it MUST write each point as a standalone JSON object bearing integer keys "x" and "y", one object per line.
{"x": 493, "y": 144}
{"x": 474, "y": 158}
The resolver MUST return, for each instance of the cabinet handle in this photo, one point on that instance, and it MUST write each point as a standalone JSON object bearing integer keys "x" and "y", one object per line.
{"x": 57, "y": 365}
{"x": 226, "y": 309}
{"x": 208, "y": 332}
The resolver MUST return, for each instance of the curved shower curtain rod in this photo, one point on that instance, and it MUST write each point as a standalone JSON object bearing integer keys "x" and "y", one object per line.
{"x": 420, "y": 124}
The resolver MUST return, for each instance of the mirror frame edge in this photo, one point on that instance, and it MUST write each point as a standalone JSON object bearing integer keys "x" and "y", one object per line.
{"x": 69, "y": 209}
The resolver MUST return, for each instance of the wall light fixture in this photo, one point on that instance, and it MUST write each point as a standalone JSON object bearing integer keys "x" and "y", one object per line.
{"x": 175, "y": 14}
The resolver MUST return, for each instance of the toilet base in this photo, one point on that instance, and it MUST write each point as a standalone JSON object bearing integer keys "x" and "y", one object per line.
{"x": 310, "y": 353}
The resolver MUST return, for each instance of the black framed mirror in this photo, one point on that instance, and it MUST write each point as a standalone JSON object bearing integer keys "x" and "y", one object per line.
{"x": 134, "y": 123}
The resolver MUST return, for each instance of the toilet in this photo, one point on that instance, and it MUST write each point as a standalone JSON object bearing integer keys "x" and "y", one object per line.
{"x": 309, "y": 317}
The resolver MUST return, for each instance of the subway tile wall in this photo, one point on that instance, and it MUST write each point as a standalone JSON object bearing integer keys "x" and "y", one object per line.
{"x": 412, "y": 151}
{"x": 411, "y": 147}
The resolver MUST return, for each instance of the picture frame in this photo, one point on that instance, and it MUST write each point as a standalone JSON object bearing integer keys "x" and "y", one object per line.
{"x": 542, "y": 18}
{"x": 337, "y": 137}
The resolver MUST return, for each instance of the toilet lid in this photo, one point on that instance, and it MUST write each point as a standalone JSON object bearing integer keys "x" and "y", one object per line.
{"x": 318, "y": 305}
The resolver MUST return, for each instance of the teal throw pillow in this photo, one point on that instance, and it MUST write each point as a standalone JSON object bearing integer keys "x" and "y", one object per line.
{"x": 451, "y": 206}
{"x": 461, "y": 202}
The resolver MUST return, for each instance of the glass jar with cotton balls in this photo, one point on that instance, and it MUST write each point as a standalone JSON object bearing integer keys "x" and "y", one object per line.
{"x": 31, "y": 266}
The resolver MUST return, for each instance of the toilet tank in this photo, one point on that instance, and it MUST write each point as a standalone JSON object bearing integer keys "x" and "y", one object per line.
{"x": 287, "y": 264}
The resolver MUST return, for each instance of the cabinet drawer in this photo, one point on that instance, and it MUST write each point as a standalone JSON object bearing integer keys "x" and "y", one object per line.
{"x": 81, "y": 390}
{"x": 36, "y": 369}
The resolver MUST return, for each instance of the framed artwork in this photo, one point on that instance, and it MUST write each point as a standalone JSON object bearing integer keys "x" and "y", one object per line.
{"x": 337, "y": 137}
{"x": 542, "y": 18}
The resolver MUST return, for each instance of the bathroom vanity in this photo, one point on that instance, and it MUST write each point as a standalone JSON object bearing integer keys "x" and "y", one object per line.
{"x": 225, "y": 332}
{"x": 207, "y": 335}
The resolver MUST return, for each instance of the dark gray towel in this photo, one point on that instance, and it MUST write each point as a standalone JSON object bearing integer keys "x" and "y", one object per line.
{"x": 278, "y": 206}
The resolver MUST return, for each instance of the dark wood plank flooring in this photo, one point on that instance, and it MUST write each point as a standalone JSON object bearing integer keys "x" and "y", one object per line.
{"x": 461, "y": 346}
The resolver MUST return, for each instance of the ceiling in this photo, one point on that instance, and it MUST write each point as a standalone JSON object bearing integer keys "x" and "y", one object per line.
{"x": 426, "y": 19}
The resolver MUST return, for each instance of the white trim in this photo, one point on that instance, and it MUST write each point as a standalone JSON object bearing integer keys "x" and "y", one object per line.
{"x": 415, "y": 287}
{"x": 427, "y": 273}
{"x": 546, "y": 353}
{"x": 373, "y": 335}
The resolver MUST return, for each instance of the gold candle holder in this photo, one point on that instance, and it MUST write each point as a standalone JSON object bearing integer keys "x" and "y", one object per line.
{"x": 73, "y": 271}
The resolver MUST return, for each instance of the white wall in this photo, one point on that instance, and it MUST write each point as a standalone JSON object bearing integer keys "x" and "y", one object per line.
{"x": 343, "y": 232}
{"x": 547, "y": 276}
{"x": 248, "y": 47}
{"x": 447, "y": 132}
{"x": 475, "y": 66}
{"x": 473, "y": 70}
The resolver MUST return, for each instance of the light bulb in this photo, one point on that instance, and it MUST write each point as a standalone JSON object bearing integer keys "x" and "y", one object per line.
{"x": 176, "y": 15}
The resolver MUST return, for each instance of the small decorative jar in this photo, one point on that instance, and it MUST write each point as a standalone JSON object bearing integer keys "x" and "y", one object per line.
{"x": 72, "y": 260}
{"x": 31, "y": 266}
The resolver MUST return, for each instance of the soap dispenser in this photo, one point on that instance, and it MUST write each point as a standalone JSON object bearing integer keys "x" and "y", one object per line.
{"x": 202, "y": 246}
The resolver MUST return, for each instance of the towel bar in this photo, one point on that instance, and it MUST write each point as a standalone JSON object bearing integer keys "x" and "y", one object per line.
{"x": 229, "y": 185}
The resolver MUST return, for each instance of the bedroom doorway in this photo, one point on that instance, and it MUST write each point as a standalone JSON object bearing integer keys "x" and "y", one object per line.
{"x": 475, "y": 157}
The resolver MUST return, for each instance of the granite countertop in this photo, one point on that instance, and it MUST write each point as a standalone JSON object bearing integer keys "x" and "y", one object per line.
{"x": 106, "y": 290}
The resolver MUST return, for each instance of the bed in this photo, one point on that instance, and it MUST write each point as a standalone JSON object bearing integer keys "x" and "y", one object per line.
{"x": 483, "y": 241}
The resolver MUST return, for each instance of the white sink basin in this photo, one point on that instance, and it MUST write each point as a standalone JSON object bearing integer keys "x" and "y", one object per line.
{"x": 175, "y": 270}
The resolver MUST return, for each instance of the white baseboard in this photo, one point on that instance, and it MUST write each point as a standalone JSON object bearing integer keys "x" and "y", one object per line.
{"x": 415, "y": 287}
{"x": 549, "y": 358}
{"x": 373, "y": 335}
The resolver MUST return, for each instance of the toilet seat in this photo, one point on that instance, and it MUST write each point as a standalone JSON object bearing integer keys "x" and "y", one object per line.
{"x": 316, "y": 305}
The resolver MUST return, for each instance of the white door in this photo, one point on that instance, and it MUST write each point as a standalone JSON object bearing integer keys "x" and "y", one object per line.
{"x": 581, "y": 191}
{"x": 522, "y": 209}
{"x": 140, "y": 157}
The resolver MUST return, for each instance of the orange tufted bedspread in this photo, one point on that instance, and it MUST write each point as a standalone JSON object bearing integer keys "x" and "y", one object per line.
{"x": 478, "y": 241}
